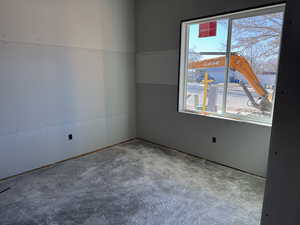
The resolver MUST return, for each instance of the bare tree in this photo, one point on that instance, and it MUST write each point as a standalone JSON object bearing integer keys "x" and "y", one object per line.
{"x": 194, "y": 55}
{"x": 258, "y": 38}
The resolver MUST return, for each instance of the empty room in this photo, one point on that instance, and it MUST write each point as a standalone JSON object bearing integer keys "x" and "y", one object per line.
{"x": 149, "y": 112}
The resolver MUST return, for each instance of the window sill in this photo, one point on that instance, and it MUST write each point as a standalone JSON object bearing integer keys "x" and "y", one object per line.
{"x": 226, "y": 118}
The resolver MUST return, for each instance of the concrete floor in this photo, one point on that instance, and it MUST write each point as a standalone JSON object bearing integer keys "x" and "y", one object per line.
{"x": 136, "y": 183}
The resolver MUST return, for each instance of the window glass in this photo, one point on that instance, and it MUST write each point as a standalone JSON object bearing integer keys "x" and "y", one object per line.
{"x": 255, "y": 45}
{"x": 228, "y": 65}
{"x": 205, "y": 83}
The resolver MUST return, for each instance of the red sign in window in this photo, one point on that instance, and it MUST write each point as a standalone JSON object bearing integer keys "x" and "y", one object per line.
{"x": 208, "y": 29}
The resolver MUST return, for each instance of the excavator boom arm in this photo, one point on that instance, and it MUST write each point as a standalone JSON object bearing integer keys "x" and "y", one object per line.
{"x": 236, "y": 62}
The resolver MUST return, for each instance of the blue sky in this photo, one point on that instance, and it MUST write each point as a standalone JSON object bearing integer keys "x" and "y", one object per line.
{"x": 209, "y": 44}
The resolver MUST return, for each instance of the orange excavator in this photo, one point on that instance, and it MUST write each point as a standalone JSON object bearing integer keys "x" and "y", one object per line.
{"x": 240, "y": 64}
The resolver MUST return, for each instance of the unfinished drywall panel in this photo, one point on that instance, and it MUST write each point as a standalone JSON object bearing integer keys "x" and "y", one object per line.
{"x": 241, "y": 145}
{"x": 281, "y": 205}
{"x": 98, "y": 24}
{"x": 63, "y": 71}
{"x": 157, "y": 67}
{"x": 67, "y": 84}
{"x": 121, "y": 67}
{"x": 9, "y": 154}
{"x": 121, "y": 127}
{"x": 31, "y": 149}
{"x": 168, "y": 15}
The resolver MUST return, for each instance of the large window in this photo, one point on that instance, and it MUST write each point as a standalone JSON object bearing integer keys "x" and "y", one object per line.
{"x": 228, "y": 65}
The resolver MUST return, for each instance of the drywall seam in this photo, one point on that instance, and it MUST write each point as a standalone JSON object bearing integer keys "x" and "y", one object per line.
{"x": 32, "y": 44}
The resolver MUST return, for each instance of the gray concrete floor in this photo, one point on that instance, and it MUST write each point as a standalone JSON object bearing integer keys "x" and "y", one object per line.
{"x": 136, "y": 183}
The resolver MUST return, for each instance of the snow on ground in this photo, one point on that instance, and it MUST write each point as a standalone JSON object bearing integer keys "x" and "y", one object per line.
{"x": 237, "y": 101}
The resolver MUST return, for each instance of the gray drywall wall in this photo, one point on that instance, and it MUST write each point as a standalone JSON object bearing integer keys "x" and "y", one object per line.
{"x": 282, "y": 195}
{"x": 66, "y": 67}
{"x": 240, "y": 145}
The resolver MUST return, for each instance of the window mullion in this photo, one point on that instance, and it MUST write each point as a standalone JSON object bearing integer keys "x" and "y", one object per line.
{"x": 228, "y": 50}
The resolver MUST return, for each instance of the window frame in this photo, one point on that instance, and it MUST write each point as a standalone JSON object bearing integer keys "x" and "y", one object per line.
{"x": 183, "y": 59}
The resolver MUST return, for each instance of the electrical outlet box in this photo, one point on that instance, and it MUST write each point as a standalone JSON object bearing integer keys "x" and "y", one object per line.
{"x": 214, "y": 140}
